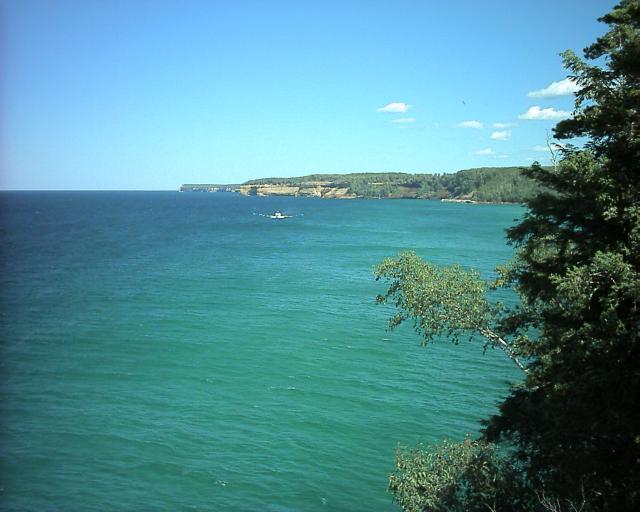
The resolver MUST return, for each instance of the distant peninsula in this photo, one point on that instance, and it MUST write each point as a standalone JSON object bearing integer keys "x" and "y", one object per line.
{"x": 484, "y": 185}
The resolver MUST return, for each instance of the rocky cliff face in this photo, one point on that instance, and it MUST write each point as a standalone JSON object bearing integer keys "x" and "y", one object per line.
{"x": 308, "y": 189}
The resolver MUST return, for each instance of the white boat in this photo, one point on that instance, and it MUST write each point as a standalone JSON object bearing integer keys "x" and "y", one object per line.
{"x": 278, "y": 215}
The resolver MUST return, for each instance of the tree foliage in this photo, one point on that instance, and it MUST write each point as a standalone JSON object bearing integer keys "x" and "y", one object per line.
{"x": 454, "y": 477}
{"x": 439, "y": 300}
{"x": 572, "y": 427}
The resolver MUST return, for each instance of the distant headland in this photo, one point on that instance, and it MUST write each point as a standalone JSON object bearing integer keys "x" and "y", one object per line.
{"x": 486, "y": 184}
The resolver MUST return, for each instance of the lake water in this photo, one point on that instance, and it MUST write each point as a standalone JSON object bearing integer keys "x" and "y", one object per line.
{"x": 166, "y": 351}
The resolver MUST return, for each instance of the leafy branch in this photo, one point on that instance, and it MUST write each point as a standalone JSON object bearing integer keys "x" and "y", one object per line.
{"x": 447, "y": 301}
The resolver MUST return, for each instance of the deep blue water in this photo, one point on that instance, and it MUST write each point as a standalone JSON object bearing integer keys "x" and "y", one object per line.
{"x": 166, "y": 351}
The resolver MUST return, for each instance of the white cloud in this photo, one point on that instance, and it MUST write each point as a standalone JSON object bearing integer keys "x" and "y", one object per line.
{"x": 539, "y": 113}
{"x": 486, "y": 151}
{"x": 561, "y": 88}
{"x": 404, "y": 120}
{"x": 470, "y": 124}
{"x": 504, "y": 135}
{"x": 540, "y": 149}
{"x": 398, "y": 106}
{"x": 502, "y": 125}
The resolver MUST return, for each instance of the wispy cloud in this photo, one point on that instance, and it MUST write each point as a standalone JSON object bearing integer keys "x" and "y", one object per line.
{"x": 404, "y": 120}
{"x": 561, "y": 88}
{"x": 540, "y": 149}
{"x": 502, "y": 125}
{"x": 486, "y": 151}
{"x": 396, "y": 107}
{"x": 470, "y": 124}
{"x": 539, "y": 113}
{"x": 504, "y": 135}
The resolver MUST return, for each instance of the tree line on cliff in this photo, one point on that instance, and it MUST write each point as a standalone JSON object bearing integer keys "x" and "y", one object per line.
{"x": 487, "y": 184}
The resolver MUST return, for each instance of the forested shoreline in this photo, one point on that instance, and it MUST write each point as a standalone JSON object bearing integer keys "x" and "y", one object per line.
{"x": 485, "y": 184}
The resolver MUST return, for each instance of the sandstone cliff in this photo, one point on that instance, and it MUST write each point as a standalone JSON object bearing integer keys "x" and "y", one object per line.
{"x": 308, "y": 189}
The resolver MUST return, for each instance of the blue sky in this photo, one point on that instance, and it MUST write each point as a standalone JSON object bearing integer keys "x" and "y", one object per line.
{"x": 118, "y": 95}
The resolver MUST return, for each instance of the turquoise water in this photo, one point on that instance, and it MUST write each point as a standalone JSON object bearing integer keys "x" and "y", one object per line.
{"x": 165, "y": 351}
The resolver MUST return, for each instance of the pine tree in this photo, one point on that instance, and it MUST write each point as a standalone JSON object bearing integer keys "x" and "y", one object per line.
{"x": 571, "y": 430}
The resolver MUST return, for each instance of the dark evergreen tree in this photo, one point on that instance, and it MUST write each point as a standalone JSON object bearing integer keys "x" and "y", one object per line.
{"x": 577, "y": 421}
{"x": 571, "y": 430}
